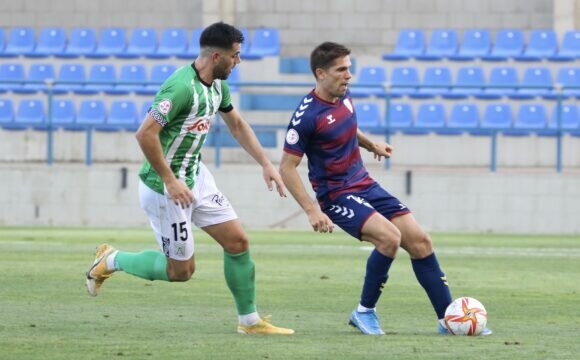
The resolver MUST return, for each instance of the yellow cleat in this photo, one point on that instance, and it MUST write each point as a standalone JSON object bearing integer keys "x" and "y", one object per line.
{"x": 98, "y": 272}
{"x": 264, "y": 327}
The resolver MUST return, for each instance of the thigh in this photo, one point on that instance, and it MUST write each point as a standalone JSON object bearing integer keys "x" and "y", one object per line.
{"x": 171, "y": 224}
{"x": 230, "y": 235}
{"x": 350, "y": 212}
{"x": 211, "y": 207}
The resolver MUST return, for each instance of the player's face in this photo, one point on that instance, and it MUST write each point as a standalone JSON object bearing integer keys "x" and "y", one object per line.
{"x": 334, "y": 80}
{"x": 228, "y": 59}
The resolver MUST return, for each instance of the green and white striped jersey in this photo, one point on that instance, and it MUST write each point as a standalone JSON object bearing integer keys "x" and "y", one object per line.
{"x": 186, "y": 108}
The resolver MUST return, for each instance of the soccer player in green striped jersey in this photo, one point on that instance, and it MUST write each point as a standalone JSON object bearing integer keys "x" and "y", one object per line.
{"x": 176, "y": 189}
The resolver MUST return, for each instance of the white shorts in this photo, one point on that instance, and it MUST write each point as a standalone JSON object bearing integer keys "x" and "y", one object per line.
{"x": 172, "y": 224}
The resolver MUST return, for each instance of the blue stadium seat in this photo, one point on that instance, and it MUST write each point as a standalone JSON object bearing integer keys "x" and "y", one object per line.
{"x": 13, "y": 72}
{"x": 159, "y": 73}
{"x": 173, "y": 42}
{"x": 76, "y": 74}
{"x": 30, "y": 113}
{"x": 399, "y": 116}
{"x": 122, "y": 116}
{"x": 436, "y": 82}
{"x": 265, "y": 42}
{"x": 538, "y": 77}
{"x": 370, "y": 75}
{"x": 20, "y": 41}
{"x": 63, "y": 114}
{"x": 542, "y": 44}
{"x": 503, "y": 81}
{"x": 295, "y": 65}
{"x": 92, "y": 113}
{"x": 234, "y": 77}
{"x": 269, "y": 101}
{"x": 2, "y": 41}
{"x": 81, "y": 42}
{"x": 112, "y": 42}
{"x": 245, "y": 49}
{"x": 410, "y": 43}
{"x": 464, "y": 116}
{"x": 51, "y": 41}
{"x": 497, "y": 117}
{"x": 143, "y": 42}
{"x": 404, "y": 76}
{"x": 40, "y": 73}
{"x": 569, "y": 118}
{"x": 103, "y": 78}
{"x": 144, "y": 110}
{"x": 443, "y": 43}
{"x": 570, "y": 47}
{"x": 193, "y": 49}
{"x": 431, "y": 117}
{"x": 473, "y": 78}
{"x": 368, "y": 115}
{"x": 133, "y": 73}
{"x": 508, "y": 43}
{"x": 569, "y": 76}
{"x": 476, "y": 44}
{"x": 531, "y": 116}
{"x": 6, "y": 114}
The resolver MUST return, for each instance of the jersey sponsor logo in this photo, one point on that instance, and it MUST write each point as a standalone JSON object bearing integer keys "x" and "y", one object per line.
{"x": 157, "y": 117}
{"x": 330, "y": 118}
{"x": 164, "y": 106}
{"x": 180, "y": 249}
{"x": 359, "y": 200}
{"x": 342, "y": 211}
{"x": 348, "y": 105}
{"x": 220, "y": 200}
{"x": 165, "y": 244}
{"x": 201, "y": 126}
{"x": 292, "y": 137}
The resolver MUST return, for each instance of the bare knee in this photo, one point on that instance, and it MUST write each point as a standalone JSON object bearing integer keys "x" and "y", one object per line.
{"x": 419, "y": 246}
{"x": 181, "y": 273}
{"x": 387, "y": 242}
{"x": 237, "y": 245}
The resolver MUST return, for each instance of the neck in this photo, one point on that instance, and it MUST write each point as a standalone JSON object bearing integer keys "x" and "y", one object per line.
{"x": 204, "y": 69}
{"x": 324, "y": 95}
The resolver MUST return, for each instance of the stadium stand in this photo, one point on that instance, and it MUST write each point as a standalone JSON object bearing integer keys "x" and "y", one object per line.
{"x": 410, "y": 43}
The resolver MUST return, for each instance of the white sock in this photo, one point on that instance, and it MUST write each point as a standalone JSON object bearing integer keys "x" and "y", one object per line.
{"x": 442, "y": 322}
{"x": 361, "y": 308}
{"x": 110, "y": 262}
{"x": 249, "y": 319}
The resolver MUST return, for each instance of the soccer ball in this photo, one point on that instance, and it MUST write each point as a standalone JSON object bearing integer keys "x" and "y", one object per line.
{"x": 465, "y": 316}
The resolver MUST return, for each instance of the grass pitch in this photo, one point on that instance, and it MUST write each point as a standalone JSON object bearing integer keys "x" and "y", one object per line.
{"x": 307, "y": 281}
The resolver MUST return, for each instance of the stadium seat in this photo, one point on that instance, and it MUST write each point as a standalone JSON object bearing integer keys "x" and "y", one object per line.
{"x": 370, "y": 75}
{"x": 63, "y": 114}
{"x": 245, "y": 49}
{"x": 476, "y": 44}
{"x": 443, "y": 43}
{"x": 39, "y": 72}
{"x": 112, "y": 42}
{"x": 173, "y": 42}
{"x": 472, "y": 79}
{"x": 193, "y": 49}
{"x": 122, "y": 116}
{"x": 463, "y": 116}
{"x": 399, "y": 116}
{"x": 538, "y": 77}
{"x": 102, "y": 78}
{"x": 134, "y": 74}
{"x": 51, "y": 41}
{"x": 569, "y": 118}
{"x": 431, "y": 117}
{"x": 30, "y": 113}
{"x": 14, "y": 73}
{"x": 159, "y": 73}
{"x": 404, "y": 81}
{"x": 269, "y": 101}
{"x": 569, "y": 76}
{"x": 503, "y": 81}
{"x": 497, "y": 117}
{"x": 81, "y": 42}
{"x": 410, "y": 43}
{"x": 233, "y": 78}
{"x": 294, "y": 65}
{"x": 508, "y": 43}
{"x": 92, "y": 113}
{"x": 570, "y": 47}
{"x": 542, "y": 44}
{"x": 6, "y": 114}
{"x": 20, "y": 41}
{"x": 368, "y": 115}
{"x": 143, "y": 42}
{"x": 74, "y": 73}
{"x": 2, "y": 41}
{"x": 265, "y": 42}
{"x": 436, "y": 82}
{"x": 530, "y": 117}
{"x": 144, "y": 110}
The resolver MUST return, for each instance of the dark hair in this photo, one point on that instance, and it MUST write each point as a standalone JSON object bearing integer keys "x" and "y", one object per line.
{"x": 324, "y": 55}
{"x": 220, "y": 35}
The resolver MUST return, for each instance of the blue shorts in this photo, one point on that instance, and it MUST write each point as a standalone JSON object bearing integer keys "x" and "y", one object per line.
{"x": 351, "y": 210}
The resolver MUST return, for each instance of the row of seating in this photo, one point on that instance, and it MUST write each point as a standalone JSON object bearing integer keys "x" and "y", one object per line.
{"x": 469, "y": 81}
{"x": 133, "y": 78}
{"x": 477, "y": 44}
{"x": 432, "y": 117}
{"x": 143, "y": 42}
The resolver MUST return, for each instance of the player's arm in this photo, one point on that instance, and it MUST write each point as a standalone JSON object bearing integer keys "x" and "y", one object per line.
{"x": 246, "y": 137}
{"x": 318, "y": 220}
{"x": 379, "y": 149}
{"x": 148, "y": 139}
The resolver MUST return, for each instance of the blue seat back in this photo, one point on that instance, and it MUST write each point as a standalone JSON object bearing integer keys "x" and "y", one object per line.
{"x": 464, "y": 115}
{"x": 160, "y": 72}
{"x": 12, "y": 72}
{"x": 82, "y": 41}
{"x": 569, "y": 76}
{"x": 173, "y": 41}
{"x": 410, "y": 42}
{"x": 400, "y": 115}
{"x": 537, "y": 76}
{"x": 41, "y": 72}
{"x": 508, "y": 42}
{"x": 437, "y": 76}
{"x": 104, "y": 73}
{"x": 405, "y": 76}
{"x": 571, "y": 43}
{"x": 497, "y": 116}
{"x": 6, "y": 112}
{"x": 470, "y": 75}
{"x": 531, "y": 116}
{"x": 143, "y": 41}
{"x": 265, "y": 42}
{"x": 123, "y": 113}
{"x": 443, "y": 42}
{"x": 51, "y": 41}
{"x": 20, "y": 41}
{"x": 368, "y": 114}
{"x": 92, "y": 112}
{"x": 112, "y": 41}
{"x": 569, "y": 117}
{"x": 30, "y": 112}
{"x": 431, "y": 115}
{"x": 504, "y": 76}
{"x": 542, "y": 43}
{"x": 63, "y": 112}
{"x": 476, "y": 42}
{"x": 372, "y": 75}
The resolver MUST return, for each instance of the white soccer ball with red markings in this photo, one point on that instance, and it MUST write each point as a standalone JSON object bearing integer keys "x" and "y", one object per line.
{"x": 465, "y": 316}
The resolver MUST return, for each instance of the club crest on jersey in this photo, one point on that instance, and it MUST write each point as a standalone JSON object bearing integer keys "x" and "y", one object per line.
{"x": 292, "y": 137}
{"x": 200, "y": 126}
{"x": 164, "y": 106}
{"x": 348, "y": 104}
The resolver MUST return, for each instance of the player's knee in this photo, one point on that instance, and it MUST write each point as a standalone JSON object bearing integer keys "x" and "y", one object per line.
{"x": 421, "y": 246}
{"x": 388, "y": 242}
{"x": 181, "y": 274}
{"x": 238, "y": 245}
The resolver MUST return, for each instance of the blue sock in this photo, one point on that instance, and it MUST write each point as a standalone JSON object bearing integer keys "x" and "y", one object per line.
{"x": 377, "y": 273}
{"x": 434, "y": 282}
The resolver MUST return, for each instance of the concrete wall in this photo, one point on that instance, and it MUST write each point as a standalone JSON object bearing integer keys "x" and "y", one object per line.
{"x": 442, "y": 200}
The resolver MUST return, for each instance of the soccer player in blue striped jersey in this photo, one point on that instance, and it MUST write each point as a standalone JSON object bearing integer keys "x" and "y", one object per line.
{"x": 324, "y": 128}
{"x": 177, "y": 190}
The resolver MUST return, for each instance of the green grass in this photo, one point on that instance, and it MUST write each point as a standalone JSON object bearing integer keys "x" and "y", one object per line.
{"x": 307, "y": 281}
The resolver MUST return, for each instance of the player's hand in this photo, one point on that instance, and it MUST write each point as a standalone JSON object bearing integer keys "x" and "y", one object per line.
{"x": 179, "y": 192}
{"x": 270, "y": 174}
{"x": 382, "y": 149}
{"x": 319, "y": 221}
